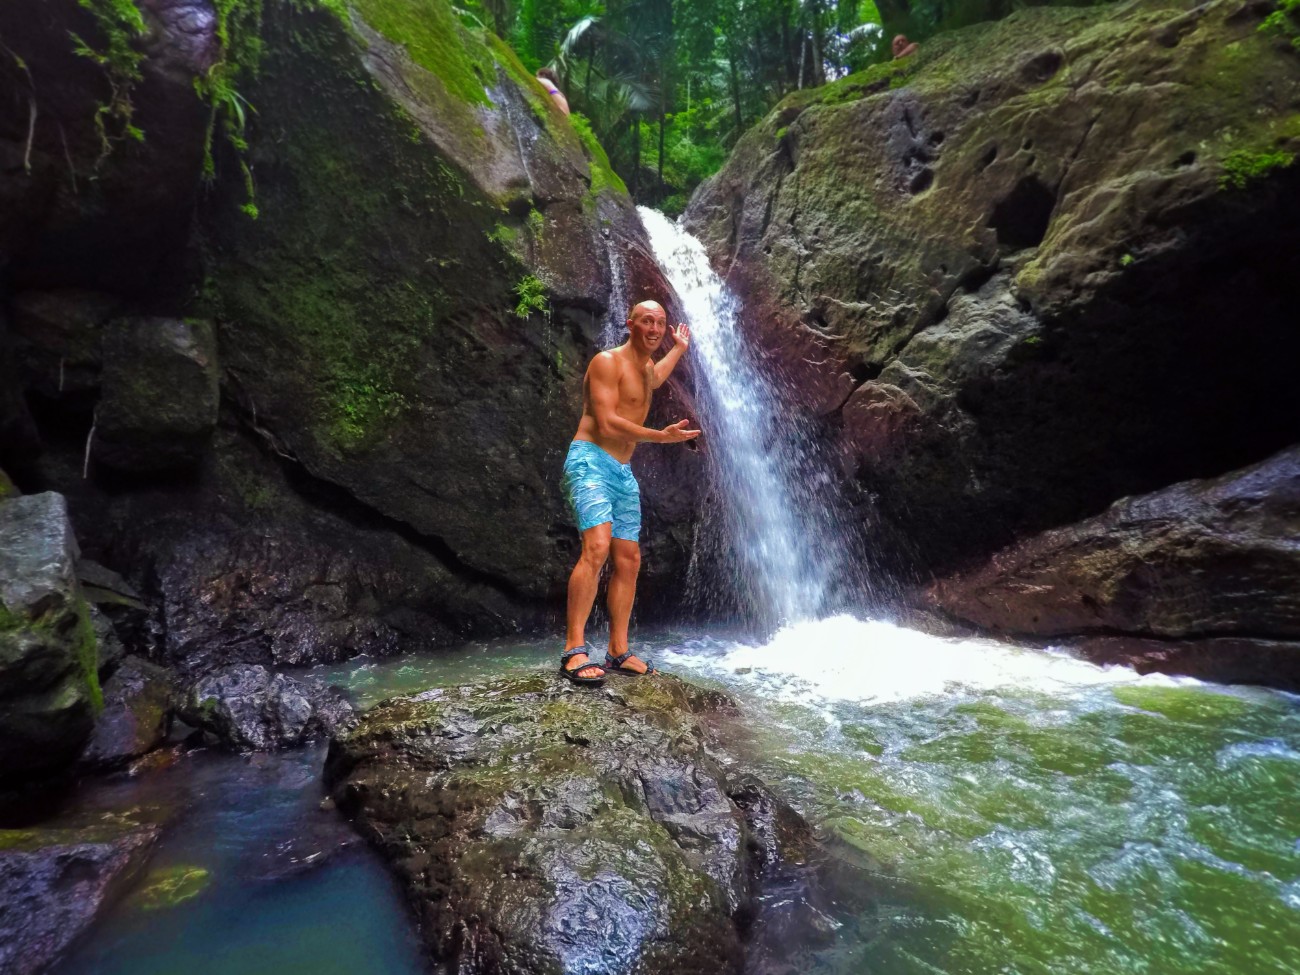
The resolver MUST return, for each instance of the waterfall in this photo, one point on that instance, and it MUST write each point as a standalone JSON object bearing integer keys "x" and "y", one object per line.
{"x": 792, "y": 557}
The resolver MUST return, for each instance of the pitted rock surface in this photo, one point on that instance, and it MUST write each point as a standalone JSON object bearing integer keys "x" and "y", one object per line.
{"x": 1021, "y": 274}
{"x": 251, "y": 708}
{"x": 48, "y": 648}
{"x": 55, "y": 881}
{"x": 541, "y": 827}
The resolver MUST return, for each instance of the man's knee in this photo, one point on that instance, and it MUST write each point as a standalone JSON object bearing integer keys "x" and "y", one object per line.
{"x": 595, "y": 550}
{"x": 627, "y": 559}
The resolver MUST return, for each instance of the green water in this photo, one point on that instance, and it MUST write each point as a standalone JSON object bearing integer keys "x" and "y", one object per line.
{"x": 1002, "y": 810}
{"x": 250, "y": 877}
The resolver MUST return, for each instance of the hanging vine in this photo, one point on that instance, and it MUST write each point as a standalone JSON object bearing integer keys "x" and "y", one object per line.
{"x": 120, "y": 22}
{"x": 239, "y": 34}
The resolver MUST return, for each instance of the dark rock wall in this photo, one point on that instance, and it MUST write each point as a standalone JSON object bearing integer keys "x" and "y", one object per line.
{"x": 379, "y": 469}
{"x": 1042, "y": 264}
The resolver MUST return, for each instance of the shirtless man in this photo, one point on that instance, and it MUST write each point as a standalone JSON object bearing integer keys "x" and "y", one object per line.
{"x": 600, "y": 488}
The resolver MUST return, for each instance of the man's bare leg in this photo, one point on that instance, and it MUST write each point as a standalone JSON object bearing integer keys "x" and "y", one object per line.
{"x": 622, "y": 592}
{"x": 583, "y": 582}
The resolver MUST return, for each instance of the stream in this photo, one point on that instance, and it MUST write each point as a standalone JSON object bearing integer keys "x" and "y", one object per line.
{"x": 990, "y": 809}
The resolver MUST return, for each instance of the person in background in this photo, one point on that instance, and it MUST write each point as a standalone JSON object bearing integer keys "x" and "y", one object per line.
{"x": 551, "y": 83}
{"x": 902, "y": 47}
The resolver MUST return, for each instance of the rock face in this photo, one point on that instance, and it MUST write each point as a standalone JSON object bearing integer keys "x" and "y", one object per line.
{"x": 55, "y": 881}
{"x": 138, "y": 702}
{"x": 49, "y": 686}
{"x": 1032, "y": 268}
{"x": 159, "y": 402}
{"x": 248, "y": 707}
{"x": 1199, "y": 560}
{"x": 372, "y": 461}
{"x": 539, "y": 827}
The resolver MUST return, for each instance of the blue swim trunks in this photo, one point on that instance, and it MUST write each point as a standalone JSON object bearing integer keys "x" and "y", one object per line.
{"x": 600, "y": 489}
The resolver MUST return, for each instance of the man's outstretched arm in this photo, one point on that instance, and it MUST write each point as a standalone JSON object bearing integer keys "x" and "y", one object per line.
{"x": 665, "y": 366}
{"x": 602, "y": 387}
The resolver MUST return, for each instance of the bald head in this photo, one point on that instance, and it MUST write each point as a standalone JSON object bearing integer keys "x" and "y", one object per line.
{"x": 645, "y": 306}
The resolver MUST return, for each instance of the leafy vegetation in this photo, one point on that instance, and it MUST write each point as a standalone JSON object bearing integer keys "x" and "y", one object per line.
{"x": 668, "y": 86}
{"x": 120, "y": 23}
{"x": 531, "y": 293}
{"x": 1285, "y": 20}
{"x": 238, "y": 30}
{"x": 1243, "y": 166}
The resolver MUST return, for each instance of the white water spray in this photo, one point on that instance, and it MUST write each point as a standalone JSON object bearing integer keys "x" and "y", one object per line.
{"x": 790, "y": 552}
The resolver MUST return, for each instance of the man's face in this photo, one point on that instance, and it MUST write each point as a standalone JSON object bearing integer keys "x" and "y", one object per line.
{"x": 647, "y": 325}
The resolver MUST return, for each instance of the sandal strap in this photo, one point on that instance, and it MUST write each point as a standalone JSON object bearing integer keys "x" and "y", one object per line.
{"x": 570, "y": 654}
{"x": 613, "y": 661}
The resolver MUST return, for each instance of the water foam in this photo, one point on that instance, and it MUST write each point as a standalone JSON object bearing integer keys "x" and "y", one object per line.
{"x": 843, "y": 658}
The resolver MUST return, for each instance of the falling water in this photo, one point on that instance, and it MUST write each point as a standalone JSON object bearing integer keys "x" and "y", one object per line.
{"x": 792, "y": 560}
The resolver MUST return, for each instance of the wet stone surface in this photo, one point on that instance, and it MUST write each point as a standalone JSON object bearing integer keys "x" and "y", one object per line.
{"x": 540, "y": 827}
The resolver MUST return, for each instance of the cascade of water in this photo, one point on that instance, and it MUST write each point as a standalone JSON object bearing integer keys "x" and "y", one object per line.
{"x": 791, "y": 553}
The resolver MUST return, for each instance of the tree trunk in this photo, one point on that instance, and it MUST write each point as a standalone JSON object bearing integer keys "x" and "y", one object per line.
{"x": 663, "y": 122}
{"x": 636, "y": 155}
{"x": 735, "y": 87}
{"x": 895, "y": 17}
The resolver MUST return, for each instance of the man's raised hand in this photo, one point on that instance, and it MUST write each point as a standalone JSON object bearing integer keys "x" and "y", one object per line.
{"x": 682, "y": 336}
{"x": 677, "y": 432}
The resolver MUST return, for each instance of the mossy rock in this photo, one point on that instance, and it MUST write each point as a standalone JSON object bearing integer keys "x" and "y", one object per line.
{"x": 993, "y": 262}
{"x": 373, "y": 313}
{"x": 518, "y": 811}
{"x": 166, "y": 887}
{"x": 49, "y": 682}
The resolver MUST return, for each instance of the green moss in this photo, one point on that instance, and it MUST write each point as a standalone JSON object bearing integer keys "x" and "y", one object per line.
{"x": 1243, "y": 166}
{"x": 7, "y": 488}
{"x": 169, "y": 886}
{"x": 13, "y": 839}
{"x": 1284, "y": 21}
{"x": 536, "y": 224}
{"x": 87, "y": 646}
{"x": 504, "y": 235}
{"x": 1126, "y": 260}
{"x": 434, "y": 39}
{"x": 120, "y": 24}
{"x": 603, "y": 176}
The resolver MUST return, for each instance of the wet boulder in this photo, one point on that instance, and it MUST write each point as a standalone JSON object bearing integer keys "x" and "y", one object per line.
{"x": 139, "y": 699}
{"x": 1215, "y": 559}
{"x": 541, "y": 827}
{"x": 17, "y": 432}
{"x": 49, "y": 685}
{"x": 253, "y": 709}
{"x": 55, "y": 881}
{"x": 160, "y": 394}
{"x": 1039, "y": 265}
{"x": 58, "y": 338}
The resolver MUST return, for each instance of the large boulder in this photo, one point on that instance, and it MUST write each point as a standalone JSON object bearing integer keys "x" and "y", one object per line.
{"x": 1216, "y": 559}
{"x": 158, "y": 407}
{"x": 56, "y": 880}
{"x": 539, "y": 827}
{"x": 402, "y": 329}
{"x": 1032, "y": 268}
{"x": 252, "y": 709}
{"x": 58, "y": 340}
{"x": 139, "y": 699}
{"x": 49, "y": 684}
{"x": 418, "y": 340}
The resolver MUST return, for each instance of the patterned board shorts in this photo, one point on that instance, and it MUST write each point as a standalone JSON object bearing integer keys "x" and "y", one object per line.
{"x": 600, "y": 489}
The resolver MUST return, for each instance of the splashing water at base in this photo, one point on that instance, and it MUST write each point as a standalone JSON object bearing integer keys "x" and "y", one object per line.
{"x": 1018, "y": 810}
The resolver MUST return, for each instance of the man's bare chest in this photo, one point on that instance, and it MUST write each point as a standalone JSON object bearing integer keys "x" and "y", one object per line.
{"x": 634, "y": 393}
